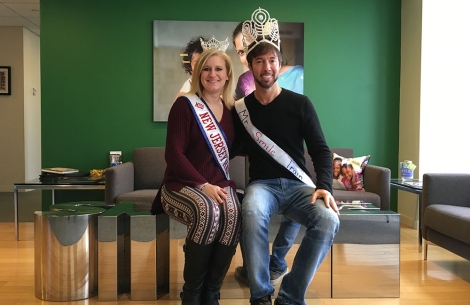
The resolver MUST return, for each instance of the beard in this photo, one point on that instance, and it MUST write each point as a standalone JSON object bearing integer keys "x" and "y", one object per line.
{"x": 266, "y": 85}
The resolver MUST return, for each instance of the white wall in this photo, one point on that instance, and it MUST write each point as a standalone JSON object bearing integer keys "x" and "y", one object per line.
{"x": 32, "y": 104}
{"x": 445, "y": 87}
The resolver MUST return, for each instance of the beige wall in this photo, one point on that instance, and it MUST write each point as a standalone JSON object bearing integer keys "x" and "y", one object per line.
{"x": 20, "y": 129}
{"x": 410, "y": 82}
{"x": 435, "y": 99}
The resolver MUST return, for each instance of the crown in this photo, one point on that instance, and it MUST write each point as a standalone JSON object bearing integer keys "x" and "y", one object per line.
{"x": 215, "y": 44}
{"x": 261, "y": 28}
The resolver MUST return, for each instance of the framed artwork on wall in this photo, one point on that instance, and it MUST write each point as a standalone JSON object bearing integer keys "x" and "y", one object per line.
{"x": 5, "y": 80}
{"x": 174, "y": 42}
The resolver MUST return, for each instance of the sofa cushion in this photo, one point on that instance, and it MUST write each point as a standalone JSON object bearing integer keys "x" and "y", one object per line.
{"x": 149, "y": 167}
{"x": 348, "y": 172}
{"x": 237, "y": 171}
{"x": 348, "y": 196}
{"x": 453, "y": 221}
{"x": 141, "y": 196}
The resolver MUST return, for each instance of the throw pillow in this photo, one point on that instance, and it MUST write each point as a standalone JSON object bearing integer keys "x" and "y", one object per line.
{"x": 347, "y": 172}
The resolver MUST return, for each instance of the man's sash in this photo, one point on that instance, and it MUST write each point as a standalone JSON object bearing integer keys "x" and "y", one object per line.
{"x": 279, "y": 155}
{"x": 212, "y": 132}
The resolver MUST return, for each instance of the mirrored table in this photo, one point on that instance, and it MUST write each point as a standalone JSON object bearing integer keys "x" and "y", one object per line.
{"x": 64, "y": 183}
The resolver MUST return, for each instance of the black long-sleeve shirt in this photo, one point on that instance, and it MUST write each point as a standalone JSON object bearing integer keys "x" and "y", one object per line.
{"x": 289, "y": 121}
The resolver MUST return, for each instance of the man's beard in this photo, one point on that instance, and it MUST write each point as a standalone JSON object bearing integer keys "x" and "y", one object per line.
{"x": 266, "y": 85}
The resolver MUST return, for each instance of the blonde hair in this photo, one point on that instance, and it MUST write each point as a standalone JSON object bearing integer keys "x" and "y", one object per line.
{"x": 196, "y": 85}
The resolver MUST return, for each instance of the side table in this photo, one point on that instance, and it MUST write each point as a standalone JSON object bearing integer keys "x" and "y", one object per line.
{"x": 365, "y": 255}
{"x": 81, "y": 183}
{"x": 412, "y": 186}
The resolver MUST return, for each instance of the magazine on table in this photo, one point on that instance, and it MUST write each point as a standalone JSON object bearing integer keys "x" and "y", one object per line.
{"x": 356, "y": 205}
{"x": 363, "y": 206}
{"x": 416, "y": 184}
{"x": 60, "y": 170}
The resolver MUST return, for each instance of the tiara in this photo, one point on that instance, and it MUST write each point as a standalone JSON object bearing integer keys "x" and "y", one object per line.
{"x": 261, "y": 28}
{"x": 214, "y": 44}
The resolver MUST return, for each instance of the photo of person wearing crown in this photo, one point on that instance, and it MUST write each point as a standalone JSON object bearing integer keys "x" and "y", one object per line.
{"x": 271, "y": 126}
{"x": 175, "y": 44}
{"x": 190, "y": 55}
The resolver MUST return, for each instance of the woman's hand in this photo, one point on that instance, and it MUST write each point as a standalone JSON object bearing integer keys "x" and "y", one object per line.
{"x": 215, "y": 192}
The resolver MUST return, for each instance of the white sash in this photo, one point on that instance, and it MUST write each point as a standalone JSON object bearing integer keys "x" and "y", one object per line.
{"x": 214, "y": 135}
{"x": 279, "y": 155}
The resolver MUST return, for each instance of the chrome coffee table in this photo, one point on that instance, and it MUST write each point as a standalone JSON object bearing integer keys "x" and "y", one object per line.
{"x": 75, "y": 183}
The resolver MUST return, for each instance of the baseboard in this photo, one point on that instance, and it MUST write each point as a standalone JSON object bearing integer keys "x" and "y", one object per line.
{"x": 413, "y": 223}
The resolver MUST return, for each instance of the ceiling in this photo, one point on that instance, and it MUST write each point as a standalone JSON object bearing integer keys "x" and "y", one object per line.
{"x": 23, "y": 13}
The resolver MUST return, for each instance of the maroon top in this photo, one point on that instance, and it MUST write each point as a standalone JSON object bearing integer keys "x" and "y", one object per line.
{"x": 187, "y": 154}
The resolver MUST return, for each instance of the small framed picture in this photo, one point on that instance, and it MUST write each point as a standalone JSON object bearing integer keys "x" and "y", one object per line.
{"x": 5, "y": 80}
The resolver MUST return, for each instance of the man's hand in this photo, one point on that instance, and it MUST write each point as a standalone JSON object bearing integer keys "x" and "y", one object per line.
{"x": 327, "y": 198}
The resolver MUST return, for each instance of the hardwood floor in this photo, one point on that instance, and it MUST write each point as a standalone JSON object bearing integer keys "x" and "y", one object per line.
{"x": 443, "y": 279}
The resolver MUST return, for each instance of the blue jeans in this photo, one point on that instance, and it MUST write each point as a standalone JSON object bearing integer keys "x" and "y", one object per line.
{"x": 291, "y": 198}
{"x": 284, "y": 240}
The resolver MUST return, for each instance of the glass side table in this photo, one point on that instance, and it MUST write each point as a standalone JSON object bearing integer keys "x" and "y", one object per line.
{"x": 412, "y": 186}
{"x": 362, "y": 236}
{"x": 75, "y": 183}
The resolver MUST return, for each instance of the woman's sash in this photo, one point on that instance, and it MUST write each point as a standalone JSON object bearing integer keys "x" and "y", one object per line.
{"x": 212, "y": 132}
{"x": 271, "y": 148}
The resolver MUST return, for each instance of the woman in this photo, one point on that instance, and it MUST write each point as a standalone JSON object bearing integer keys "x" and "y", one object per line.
{"x": 346, "y": 180}
{"x": 337, "y": 177}
{"x": 356, "y": 184}
{"x": 196, "y": 189}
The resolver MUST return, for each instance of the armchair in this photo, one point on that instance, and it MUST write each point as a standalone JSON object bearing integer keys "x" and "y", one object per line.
{"x": 136, "y": 180}
{"x": 446, "y": 212}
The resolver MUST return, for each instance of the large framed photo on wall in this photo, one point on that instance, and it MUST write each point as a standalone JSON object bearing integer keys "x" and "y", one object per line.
{"x": 176, "y": 44}
{"x": 5, "y": 80}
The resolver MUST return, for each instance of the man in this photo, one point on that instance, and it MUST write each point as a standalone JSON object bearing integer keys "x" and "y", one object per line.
{"x": 273, "y": 123}
{"x": 288, "y": 229}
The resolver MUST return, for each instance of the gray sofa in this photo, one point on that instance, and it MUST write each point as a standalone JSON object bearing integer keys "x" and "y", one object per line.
{"x": 446, "y": 212}
{"x": 139, "y": 179}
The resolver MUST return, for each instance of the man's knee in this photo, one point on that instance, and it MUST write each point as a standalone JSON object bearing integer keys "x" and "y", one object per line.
{"x": 324, "y": 218}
